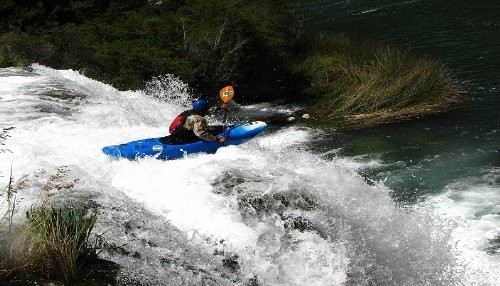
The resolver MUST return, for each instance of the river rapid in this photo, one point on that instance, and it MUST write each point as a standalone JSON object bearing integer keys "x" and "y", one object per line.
{"x": 410, "y": 203}
{"x": 450, "y": 159}
{"x": 268, "y": 212}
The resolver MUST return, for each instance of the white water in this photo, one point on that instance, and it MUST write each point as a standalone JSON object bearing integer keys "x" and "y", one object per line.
{"x": 291, "y": 217}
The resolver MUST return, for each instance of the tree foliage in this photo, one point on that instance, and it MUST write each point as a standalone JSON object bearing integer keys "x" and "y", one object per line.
{"x": 207, "y": 43}
{"x": 255, "y": 45}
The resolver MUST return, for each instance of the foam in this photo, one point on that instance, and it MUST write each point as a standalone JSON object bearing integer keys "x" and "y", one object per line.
{"x": 474, "y": 204}
{"x": 357, "y": 234}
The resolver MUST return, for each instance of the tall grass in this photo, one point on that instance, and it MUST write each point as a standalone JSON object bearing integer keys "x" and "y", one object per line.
{"x": 55, "y": 242}
{"x": 11, "y": 201}
{"x": 352, "y": 78}
{"x": 6, "y": 224}
{"x": 52, "y": 243}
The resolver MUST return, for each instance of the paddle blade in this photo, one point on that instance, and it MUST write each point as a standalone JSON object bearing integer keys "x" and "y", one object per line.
{"x": 226, "y": 94}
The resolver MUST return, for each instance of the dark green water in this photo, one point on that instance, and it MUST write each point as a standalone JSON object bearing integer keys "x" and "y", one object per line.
{"x": 425, "y": 155}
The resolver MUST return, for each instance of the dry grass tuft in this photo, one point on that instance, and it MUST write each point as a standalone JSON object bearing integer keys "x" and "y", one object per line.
{"x": 353, "y": 80}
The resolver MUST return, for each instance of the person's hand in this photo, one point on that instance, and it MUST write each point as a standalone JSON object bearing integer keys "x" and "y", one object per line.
{"x": 224, "y": 106}
{"x": 221, "y": 139}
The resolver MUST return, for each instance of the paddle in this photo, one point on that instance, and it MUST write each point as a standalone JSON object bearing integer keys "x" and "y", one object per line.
{"x": 226, "y": 94}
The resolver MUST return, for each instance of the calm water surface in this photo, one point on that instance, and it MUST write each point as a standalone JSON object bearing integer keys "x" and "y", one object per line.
{"x": 426, "y": 155}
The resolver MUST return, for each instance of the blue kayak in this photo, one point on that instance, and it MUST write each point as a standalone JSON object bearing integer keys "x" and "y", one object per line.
{"x": 153, "y": 147}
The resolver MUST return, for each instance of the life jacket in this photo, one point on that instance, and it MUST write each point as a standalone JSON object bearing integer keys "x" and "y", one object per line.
{"x": 178, "y": 123}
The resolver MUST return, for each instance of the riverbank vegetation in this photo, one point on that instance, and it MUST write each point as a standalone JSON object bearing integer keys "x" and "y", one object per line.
{"x": 52, "y": 244}
{"x": 362, "y": 83}
{"x": 258, "y": 46}
{"x": 207, "y": 43}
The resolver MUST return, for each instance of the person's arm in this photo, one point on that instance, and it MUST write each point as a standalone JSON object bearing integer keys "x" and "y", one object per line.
{"x": 200, "y": 128}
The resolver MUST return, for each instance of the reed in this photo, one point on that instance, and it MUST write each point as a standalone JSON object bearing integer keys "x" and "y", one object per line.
{"x": 55, "y": 242}
{"x": 351, "y": 78}
{"x": 6, "y": 225}
{"x": 51, "y": 243}
{"x": 4, "y": 270}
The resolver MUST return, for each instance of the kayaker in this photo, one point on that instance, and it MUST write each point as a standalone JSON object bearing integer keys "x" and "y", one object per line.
{"x": 191, "y": 126}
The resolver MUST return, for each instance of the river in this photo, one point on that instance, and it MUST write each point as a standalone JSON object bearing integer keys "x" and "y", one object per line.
{"x": 410, "y": 203}
{"x": 451, "y": 158}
